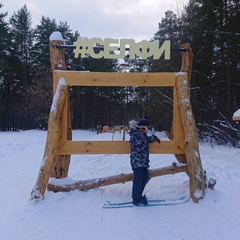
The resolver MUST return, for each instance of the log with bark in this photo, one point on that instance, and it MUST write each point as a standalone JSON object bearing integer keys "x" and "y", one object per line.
{"x": 56, "y": 185}
{"x": 54, "y": 131}
{"x": 196, "y": 173}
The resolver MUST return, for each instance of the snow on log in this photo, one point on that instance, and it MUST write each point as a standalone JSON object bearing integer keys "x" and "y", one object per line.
{"x": 55, "y": 36}
{"x": 236, "y": 115}
{"x": 59, "y": 185}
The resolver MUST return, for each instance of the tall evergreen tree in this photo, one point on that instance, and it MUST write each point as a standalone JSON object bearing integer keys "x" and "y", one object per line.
{"x": 21, "y": 30}
{"x": 42, "y": 32}
{"x": 170, "y": 28}
{"x": 12, "y": 78}
{"x": 5, "y": 41}
{"x": 19, "y": 68}
{"x": 41, "y": 52}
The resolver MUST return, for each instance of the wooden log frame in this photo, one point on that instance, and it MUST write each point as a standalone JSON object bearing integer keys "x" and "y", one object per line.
{"x": 59, "y": 146}
{"x": 83, "y": 185}
{"x": 121, "y": 79}
{"x": 53, "y": 138}
{"x": 191, "y": 156}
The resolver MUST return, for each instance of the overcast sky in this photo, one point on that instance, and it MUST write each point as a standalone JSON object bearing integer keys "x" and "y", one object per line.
{"x": 129, "y": 19}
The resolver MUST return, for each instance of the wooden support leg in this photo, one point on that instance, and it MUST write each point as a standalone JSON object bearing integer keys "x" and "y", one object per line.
{"x": 62, "y": 162}
{"x": 196, "y": 173}
{"x": 54, "y": 131}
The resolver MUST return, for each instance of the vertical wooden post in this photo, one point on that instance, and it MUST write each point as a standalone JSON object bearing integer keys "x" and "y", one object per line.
{"x": 195, "y": 170}
{"x": 192, "y": 154}
{"x": 187, "y": 58}
{"x": 62, "y": 162}
{"x": 59, "y": 126}
{"x": 176, "y": 133}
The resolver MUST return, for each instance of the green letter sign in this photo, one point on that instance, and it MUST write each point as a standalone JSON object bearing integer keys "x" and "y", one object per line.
{"x": 143, "y": 49}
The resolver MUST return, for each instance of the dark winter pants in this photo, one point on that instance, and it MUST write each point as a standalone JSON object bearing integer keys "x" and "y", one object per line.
{"x": 140, "y": 179}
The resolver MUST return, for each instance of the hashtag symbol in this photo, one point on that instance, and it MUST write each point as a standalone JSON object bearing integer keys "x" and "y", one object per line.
{"x": 81, "y": 47}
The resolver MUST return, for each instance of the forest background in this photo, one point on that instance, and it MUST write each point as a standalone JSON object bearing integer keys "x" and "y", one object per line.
{"x": 210, "y": 26}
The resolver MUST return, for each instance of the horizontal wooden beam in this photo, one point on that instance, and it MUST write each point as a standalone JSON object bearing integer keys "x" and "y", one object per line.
{"x": 115, "y": 147}
{"x": 73, "y": 78}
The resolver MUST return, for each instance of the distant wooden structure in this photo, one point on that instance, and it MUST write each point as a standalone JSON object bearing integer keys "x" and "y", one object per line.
{"x": 117, "y": 129}
{"x": 183, "y": 141}
{"x": 106, "y": 129}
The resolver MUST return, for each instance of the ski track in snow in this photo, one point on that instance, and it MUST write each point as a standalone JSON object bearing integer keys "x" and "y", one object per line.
{"x": 79, "y": 215}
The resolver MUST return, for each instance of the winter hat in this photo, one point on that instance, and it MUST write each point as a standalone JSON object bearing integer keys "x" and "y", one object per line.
{"x": 144, "y": 122}
{"x": 147, "y": 117}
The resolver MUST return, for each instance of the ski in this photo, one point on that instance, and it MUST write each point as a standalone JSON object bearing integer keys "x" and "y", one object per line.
{"x": 151, "y": 203}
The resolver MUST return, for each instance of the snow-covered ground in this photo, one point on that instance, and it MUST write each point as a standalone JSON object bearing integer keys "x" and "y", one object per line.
{"x": 79, "y": 215}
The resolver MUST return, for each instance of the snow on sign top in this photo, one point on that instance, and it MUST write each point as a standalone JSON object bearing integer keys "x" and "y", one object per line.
{"x": 56, "y": 36}
{"x": 236, "y": 115}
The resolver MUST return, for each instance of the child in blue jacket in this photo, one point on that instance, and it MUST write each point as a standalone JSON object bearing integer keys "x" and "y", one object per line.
{"x": 139, "y": 157}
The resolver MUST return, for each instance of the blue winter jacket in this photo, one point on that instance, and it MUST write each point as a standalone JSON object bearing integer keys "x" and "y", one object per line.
{"x": 139, "y": 142}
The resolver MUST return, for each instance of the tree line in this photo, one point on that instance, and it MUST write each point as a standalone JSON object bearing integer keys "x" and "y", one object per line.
{"x": 212, "y": 29}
